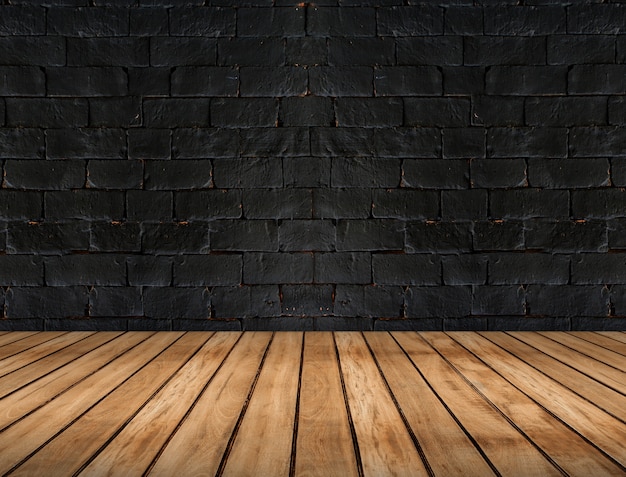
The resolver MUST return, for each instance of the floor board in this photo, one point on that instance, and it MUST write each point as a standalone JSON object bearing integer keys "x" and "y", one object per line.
{"x": 316, "y": 403}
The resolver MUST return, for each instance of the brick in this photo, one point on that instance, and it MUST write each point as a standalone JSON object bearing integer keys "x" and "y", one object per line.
{"x": 621, "y": 49}
{"x": 307, "y": 235}
{"x": 279, "y": 22}
{"x": 598, "y": 141}
{"x": 567, "y": 300}
{"x": 463, "y": 80}
{"x": 149, "y": 81}
{"x": 21, "y": 271}
{"x": 306, "y": 172}
{"x": 89, "y": 22}
{"x": 597, "y": 79}
{"x": 528, "y": 323}
{"x": 273, "y": 82}
{"x": 84, "y": 204}
{"x": 46, "y": 302}
{"x": 115, "y": 237}
{"x": 410, "y": 21}
{"x": 528, "y": 203}
{"x": 392, "y": 269}
{"x": 462, "y": 20}
{"x": 175, "y": 238}
{"x": 245, "y": 235}
{"x": 272, "y": 268}
{"x": 365, "y": 172}
{"x": 464, "y": 143}
{"x": 86, "y": 143}
{"x": 498, "y": 173}
{"x": 44, "y": 175}
{"x": 22, "y": 20}
{"x": 524, "y": 21}
{"x": 185, "y": 52}
{"x": 175, "y": 302}
{"x": 245, "y": 301}
{"x": 251, "y": 52}
{"x": 405, "y": 204}
{"x": 528, "y": 268}
{"x": 204, "y": 143}
{"x": 108, "y": 52}
{"x": 580, "y": 49}
{"x": 146, "y": 270}
{"x": 596, "y": 19}
{"x": 47, "y": 113}
{"x": 442, "y": 237}
{"x": 207, "y": 270}
{"x": 497, "y": 111}
{"x": 86, "y": 81}
{"x": 441, "y": 302}
{"x": 498, "y": 235}
{"x": 526, "y": 80}
{"x": 147, "y": 205}
{"x": 244, "y": 112}
{"x": 598, "y": 269}
{"x": 22, "y": 81}
{"x": 370, "y": 235}
{"x": 115, "y": 301}
{"x": 599, "y": 203}
{"x": 498, "y": 300}
{"x": 277, "y": 203}
{"x": 566, "y": 111}
{"x": 208, "y": 204}
{"x": 342, "y": 142}
{"x": 149, "y": 144}
{"x": 341, "y": 81}
{"x": 307, "y": 300}
{"x": 21, "y": 143}
{"x": 205, "y": 81}
{"x": 343, "y": 267}
{"x": 503, "y": 50}
{"x": 27, "y": 50}
{"x": 349, "y": 22}
{"x": 170, "y": 113}
{"x": 408, "y": 81}
{"x": 48, "y": 237}
{"x": 306, "y": 51}
{"x": 617, "y": 111}
{"x": 115, "y": 174}
{"x": 441, "y": 112}
{"x": 306, "y": 111}
{"x": 408, "y": 142}
{"x": 617, "y": 233}
{"x": 115, "y": 112}
{"x": 360, "y": 51}
{"x": 527, "y": 142}
{"x": 247, "y": 172}
{"x": 464, "y": 204}
{"x": 370, "y": 301}
{"x": 179, "y": 174}
{"x": 618, "y": 172}
{"x": 342, "y": 203}
{"x": 204, "y": 22}
{"x": 69, "y": 270}
{"x": 435, "y": 174}
{"x": 370, "y": 112}
{"x": 430, "y": 50}
{"x": 568, "y": 173}
{"x": 149, "y": 22}
{"x": 275, "y": 142}
{"x": 467, "y": 269}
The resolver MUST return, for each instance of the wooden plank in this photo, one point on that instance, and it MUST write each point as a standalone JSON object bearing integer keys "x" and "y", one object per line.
{"x": 20, "y": 440}
{"x": 385, "y": 444}
{"x": 54, "y": 361}
{"x": 606, "y": 356}
{"x": 566, "y": 448}
{"x": 13, "y": 336}
{"x": 27, "y": 343}
{"x": 73, "y": 448}
{"x": 324, "y": 443}
{"x": 18, "y": 404}
{"x": 602, "y": 340}
{"x": 262, "y": 445}
{"x": 199, "y": 443}
{"x": 138, "y": 443}
{"x": 434, "y": 427}
{"x": 507, "y": 449}
{"x": 614, "y": 335}
{"x": 597, "y": 426}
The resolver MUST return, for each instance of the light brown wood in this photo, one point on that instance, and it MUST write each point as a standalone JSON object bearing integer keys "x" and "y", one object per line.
{"x": 13, "y": 336}
{"x": 26, "y": 343}
{"x": 614, "y": 335}
{"x": 602, "y": 340}
{"x": 591, "y": 350}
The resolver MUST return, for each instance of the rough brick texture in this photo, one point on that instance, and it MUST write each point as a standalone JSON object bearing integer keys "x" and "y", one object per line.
{"x": 385, "y": 164}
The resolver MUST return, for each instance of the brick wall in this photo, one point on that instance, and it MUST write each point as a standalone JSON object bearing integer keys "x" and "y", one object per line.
{"x": 381, "y": 164}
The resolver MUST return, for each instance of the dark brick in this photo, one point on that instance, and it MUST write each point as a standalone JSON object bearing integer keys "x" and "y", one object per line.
{"x": 370, "y": 235}
{"x": 20, "y": 271}
{"x": 280, "y": 22}
{"x": 144, "y": 270}
{"x": 497, "y": 111}
{"x": 365, "y": 172}
{"x": 306, "y": 172}
{"x": 48, "y": 175}
{"x": 48, "y": 237}
{"x": 408, "y": 81}
{"x": 434, "y": 50}
{"x": 341, "y": 81}
{"x": 410, "y": 21}
{"x": 175, "y": 238}
{"x": 584, "y": 323}
{"x": 524, "y": 21}
{"x": 165, "y": 51}
{"x": 463, "y": 80}
{"x": 617, "y": 111}
{"x": 528, "y": 203}
{"x": 527, "y": 323}
{"x": 247, "y": 172}
{"x": 108, "y": 52}
{"x": 351, "y": 22}
{"x": 115, "y": 237}
{"x": 566, "y": 111}
{"x": 149, "y": 143}
{"x": 88, "y": 22}
{"x": 598, "y": 269}
{"x": 46, "y": 302}
{"x": 69, "y": 270}
{"x": 441, "y": 112}
{"x": 22, "y": 81}
{"x": 419, "y": 324}
{"x": 306, "y": 51}
{"x": 204, "y": 22}
{"x": 240, "y": 112}
{"x": 307, "y": 235}
{"x": 86, "y": 143}
{"x": 464, "y": 143}
{"x": 332, "y": 323}
{"x": 27, "y": 50}
{"x": 245, "y": 235}
{"x": 205, "y": 81}
{"x": 464, "y": 20}
{"x": 527, "y": 142}
{"x": 245, "y": 301}
{"x": 148, "y": 205}
{"x": 371, "y": 301}
{"x": 408, "y": 142}
{"x": 503, "y": 50}
{"x": 405, "y": 204}
{"x": 273, "y": 82}
{"x": 342, "y": 203}
{"x": 464, "y": 269}
{"x": 435, "y": 174}
{"x": 204, "y": 143}
{"x": 170, "y": 113}
{"x": 598, "y": 141}
{"x": 307, "y": 300}
{"x": 498, "y": 173}
{"x": 361, "y": 51}
{"x": 440, "y": 302}
{"x": 115, "y": 301}
{"x": 149, "y": 22}
{"x": 528, "y": 268}
{"x": 618, "y": 172}
{"x": 87, "y": 81}
{"x": 22, "y": 20}
{"x": 577, "y": 49}
{"x": 568, "y": 173}
{"x": 371, "y": 112}
{"x": 418, "y": 269}
{"x": 464, "y": 204}
{"x": 47, "y": 113}
{"x": 526, "y": 80}
{"x": 251, "y": 52}
{"x": 597, "y": 79}
{"x": 206, "y": 325}
{"x": 208, "y": 205}
{"x": 21, "y": 143}
{"x": 84, "y": 204}
{"x": 498, "y": 235}
{"x": 174, "y": 302}
{"x": 600, "y": 204}
{"x": 277, "y": 204}
{"x": 567, "y": 300}
{"x": 500, "y": 300}
{"x": 207, "y": 270}
{"x": 275, "y": 142}
{"x": 342, "y": 267}
{"x": 342, "y": 142}
{"x": 306, "y": 111}
{"x": 280, "y": 323}
{"x": 115, "y": 112}
{"x": 596, "y": 19}
{"x": 471, "y": 323}
{"x": 149, "y": 81}
{"x": 443, "y": 237}
{"x": 271, "y": 268}
{"x": 115, "y": 174}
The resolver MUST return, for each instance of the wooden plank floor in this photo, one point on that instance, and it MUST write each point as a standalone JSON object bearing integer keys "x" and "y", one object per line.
{"x": 315, "y": 403}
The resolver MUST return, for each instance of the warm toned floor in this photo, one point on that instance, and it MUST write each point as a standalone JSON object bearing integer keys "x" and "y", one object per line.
{"x": 315, "y": 403}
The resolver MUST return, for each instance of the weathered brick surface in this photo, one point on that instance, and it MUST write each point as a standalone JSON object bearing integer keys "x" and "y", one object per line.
{"x": 340, "y": 164}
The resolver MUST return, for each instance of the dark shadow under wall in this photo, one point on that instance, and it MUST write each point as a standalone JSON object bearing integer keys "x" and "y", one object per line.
{"x": 382, "y": 165}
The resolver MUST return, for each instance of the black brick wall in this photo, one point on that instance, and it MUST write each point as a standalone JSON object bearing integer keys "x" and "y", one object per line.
{"x": 267, "y": 164}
